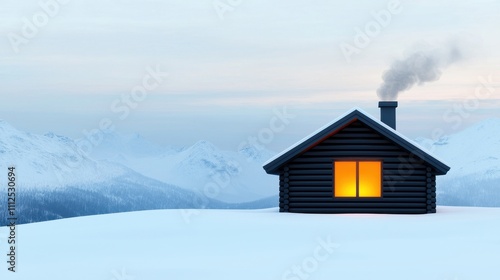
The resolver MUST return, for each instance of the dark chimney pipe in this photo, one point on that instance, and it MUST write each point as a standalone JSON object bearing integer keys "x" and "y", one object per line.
{"x": 388, "y": 112}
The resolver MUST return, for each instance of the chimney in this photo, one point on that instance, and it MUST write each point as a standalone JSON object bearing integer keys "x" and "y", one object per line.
{"x": 388, "y": 112}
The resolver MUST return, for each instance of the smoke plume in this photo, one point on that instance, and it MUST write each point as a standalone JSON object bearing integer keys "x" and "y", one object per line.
{"x": 419, "y": 67}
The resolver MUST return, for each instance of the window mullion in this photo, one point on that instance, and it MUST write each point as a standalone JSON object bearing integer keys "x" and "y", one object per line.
{"x": 357, "y": 178}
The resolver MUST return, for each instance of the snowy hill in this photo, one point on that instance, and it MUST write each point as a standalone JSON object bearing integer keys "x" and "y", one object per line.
{"x": 455, "y": 243}
{"x": 474, "y": 157}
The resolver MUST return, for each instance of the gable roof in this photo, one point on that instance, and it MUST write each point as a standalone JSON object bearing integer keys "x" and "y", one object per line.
{"x": 273, "y": 165}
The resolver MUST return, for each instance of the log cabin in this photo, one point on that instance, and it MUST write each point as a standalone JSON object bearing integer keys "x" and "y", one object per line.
{"x": 357, "y": 164}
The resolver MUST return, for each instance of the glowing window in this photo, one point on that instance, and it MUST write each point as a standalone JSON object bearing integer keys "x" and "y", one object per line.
{"x": 357, "y": 179}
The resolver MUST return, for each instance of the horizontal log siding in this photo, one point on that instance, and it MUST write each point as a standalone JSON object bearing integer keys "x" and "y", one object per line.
{"x": 409, "y": 185}
{"x": 284, "y": 191}
{"x": 431, "y": 191}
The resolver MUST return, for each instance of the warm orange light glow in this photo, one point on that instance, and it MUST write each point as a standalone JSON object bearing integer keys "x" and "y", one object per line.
{"x": 345, "y": 179}
{"x": 358, "y": 179}
{"x": 369, "y": 179}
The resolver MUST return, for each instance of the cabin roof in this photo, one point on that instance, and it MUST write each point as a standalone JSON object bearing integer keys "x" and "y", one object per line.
{"x": 273, "y": 165}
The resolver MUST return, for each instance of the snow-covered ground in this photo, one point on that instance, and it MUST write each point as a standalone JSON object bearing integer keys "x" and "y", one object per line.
{"x": 454, "y": 244}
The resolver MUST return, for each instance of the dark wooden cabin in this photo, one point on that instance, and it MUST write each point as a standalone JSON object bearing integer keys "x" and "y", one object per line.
{"x": 357, "y": 164}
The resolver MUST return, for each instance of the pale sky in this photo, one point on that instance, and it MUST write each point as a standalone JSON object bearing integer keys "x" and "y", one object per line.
{"x": 229, "y": 69}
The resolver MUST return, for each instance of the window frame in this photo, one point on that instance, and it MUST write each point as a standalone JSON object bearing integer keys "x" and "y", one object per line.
{"x": 357, "y": 160}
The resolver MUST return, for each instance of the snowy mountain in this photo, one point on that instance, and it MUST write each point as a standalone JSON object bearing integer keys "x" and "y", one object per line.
{"x": 50, "y": 161}
{"x": 229, "y": 176}
{"x": 474, "y": 157}
{"x": 56, "y": 179}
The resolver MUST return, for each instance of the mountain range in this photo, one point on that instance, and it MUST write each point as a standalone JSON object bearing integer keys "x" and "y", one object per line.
{"x": 56, "y": 179}
{"x": 125, "y": 172}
